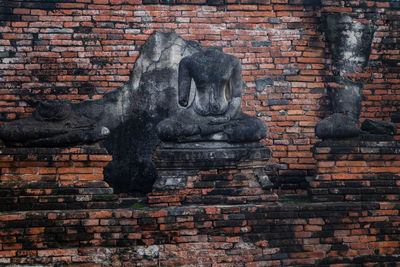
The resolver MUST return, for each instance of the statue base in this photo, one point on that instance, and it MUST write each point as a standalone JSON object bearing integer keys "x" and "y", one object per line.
{"x": 211, "y": 173}
{"x": 54, "y": 179}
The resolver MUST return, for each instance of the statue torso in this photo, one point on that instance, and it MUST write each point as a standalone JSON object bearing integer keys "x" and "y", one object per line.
{"x": 211, "y": 71}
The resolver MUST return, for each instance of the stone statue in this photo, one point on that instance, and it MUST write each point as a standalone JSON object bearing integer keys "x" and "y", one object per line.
{"x": 350, "y": 44}
{"x": 215, "y": 113}
{"x": 52, "y": 124}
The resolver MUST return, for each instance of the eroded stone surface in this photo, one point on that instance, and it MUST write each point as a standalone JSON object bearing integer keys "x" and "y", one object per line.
{"x": 379, "y": 127}
{"x": 211, "y": 155}
{"x": 132, "y": 111}
{"x": 211, "y": 173}
{"x": 52, "y": 124}
{"x": 349, "y": 42}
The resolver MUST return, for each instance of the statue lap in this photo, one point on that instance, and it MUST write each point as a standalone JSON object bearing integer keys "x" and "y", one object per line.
{"x": 189, "y": 126}
{"x": 215, "y": 113}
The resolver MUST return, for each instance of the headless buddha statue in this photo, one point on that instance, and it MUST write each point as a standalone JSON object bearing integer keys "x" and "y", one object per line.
{"x": 215, "y": 113}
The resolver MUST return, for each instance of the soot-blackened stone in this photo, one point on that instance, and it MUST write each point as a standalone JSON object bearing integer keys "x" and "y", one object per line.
{"x": 53, "y": 124}
{"x": 379, "y": 127}
{"x": 132, "y": 111}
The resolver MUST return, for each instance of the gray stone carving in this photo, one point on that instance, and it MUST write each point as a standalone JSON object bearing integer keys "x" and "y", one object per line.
{"x": 237, "y": 172}
{"x": 53, "y": 124}
{"x": 379, "y": 127}
{"x": 337, "y": 125}
{"x": 215, "y": 113}
{"x": 350, "y": 44}
{"x": 132, "y": 111}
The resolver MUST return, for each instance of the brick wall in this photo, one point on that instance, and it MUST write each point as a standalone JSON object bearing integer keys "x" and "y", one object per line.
{"x": 56, "y": 210}
{"x": 54, "y": 179}
{"x": 361, "y": 234}
{"x": 356, "y": 171}
{"x": 81, "y": 49}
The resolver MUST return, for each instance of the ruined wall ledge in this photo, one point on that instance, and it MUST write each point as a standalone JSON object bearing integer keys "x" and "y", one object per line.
{"x": 36, "y": 178}
{"x": 227, "y": 2}
{"x": 281, "y": 233}
{"x": 356, "y": 170}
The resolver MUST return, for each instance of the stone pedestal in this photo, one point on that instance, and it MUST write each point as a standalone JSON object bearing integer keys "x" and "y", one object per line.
{"x": 54, "y": 178}
{"x": 211, "y": 173}
{"x": 356, "y": 170}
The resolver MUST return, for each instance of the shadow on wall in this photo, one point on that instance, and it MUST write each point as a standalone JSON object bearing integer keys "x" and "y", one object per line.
{"x": 132, "y": 111}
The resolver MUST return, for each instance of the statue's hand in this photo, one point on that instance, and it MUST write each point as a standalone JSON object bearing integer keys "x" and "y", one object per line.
{"x": 219, "y": 120}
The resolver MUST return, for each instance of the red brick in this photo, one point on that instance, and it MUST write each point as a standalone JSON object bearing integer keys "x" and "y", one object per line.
{"x": 91, "y": 222}
{"x": 79, "y": 157}
{"x": 100, "y": 214}
{"x": 13, "y": 217}
{"x": 21, "y": 11}
{"x": 100, "y": 157}
{"x": 57, "y": 252}
{"x": 7, "y": 254}
{"x": 34, "y": 230}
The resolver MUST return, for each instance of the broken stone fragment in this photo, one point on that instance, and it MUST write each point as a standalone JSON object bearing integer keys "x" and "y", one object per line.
{"x": 379, "y": 127}
{"x": 52, "y": 124}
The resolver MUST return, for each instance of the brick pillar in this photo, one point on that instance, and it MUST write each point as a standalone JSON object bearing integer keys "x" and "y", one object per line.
{"x": 54, "y": 178}
{"x": 211, "y": 173}
{"x": 356, "y": 170}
